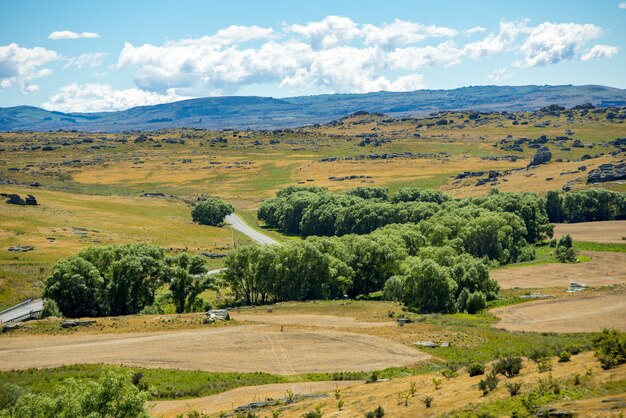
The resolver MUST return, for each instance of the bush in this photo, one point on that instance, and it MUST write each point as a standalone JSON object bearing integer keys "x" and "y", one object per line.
{"x": 475, "y": 369}
{"x": 489, "y": 384}
{"x": 564, "y": 356}
{"x": 50, "y": 308}
{"x": 544, "y": 364}
{"x": 476, "y": 302}
{"x": 211, "y": 211}
{"x": 610, "y": 348}
{"x": 428, "y": 401}
{"x": 376, "y": 413}
{"x": 565, "y": 252}
{"x": 508, "y": 366}
{"x": 514, "y": 388}
{"x": 449, "y": 373}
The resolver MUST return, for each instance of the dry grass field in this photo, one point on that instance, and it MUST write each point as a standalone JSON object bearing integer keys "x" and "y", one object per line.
{"x": 574, "y": 313}
{"x": 605, "y": 268}
{"x": 612, "y": 232}
{"x": 244, "y": 348}
{"x": 458, "y": 396}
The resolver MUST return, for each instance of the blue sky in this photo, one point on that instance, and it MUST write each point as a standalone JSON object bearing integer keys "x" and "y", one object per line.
{"x": 112, "y": 55}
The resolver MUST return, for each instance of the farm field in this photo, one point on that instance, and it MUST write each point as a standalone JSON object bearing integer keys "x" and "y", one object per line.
{"x": 605, "y": 268}
{"x": 242, "y": 349}
{"x": 575, "y": 313}
{"x": 611, "y": 232}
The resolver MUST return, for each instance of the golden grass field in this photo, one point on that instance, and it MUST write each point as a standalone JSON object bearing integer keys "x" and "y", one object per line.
{"x": 98, "y": 200}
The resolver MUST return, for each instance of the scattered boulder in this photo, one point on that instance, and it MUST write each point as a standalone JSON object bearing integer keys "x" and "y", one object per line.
{"x": 542, "y": 156}
{"x": 71, "y": 323}
{"x": 22, "y": 248}
{"x": 218, "y": 314}
{"x": 15, "y": 199}
{"x": 607, "y": 172}
{"x": 10, "y": 327}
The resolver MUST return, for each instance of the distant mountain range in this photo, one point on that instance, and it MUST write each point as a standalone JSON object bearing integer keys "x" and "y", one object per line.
{"x": 249, "y": 112}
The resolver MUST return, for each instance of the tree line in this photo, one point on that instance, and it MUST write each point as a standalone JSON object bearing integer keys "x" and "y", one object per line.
{"x": 414, "y": 263}
{"x": 308, "y": 211}
{"x": 123, "y": 280}
{"x": 586, "y": 206}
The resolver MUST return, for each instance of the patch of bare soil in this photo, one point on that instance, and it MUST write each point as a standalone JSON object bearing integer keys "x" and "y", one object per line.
{"x": 608, "y": 232}
{"x": 576, "y": 313}
{"x": 605, "y": 268}
{"x": 228, "y": 401}
{"x": 323, "y": 321}
{"x": 237, "y": 349}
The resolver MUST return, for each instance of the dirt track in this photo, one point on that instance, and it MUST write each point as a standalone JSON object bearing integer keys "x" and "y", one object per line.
{"x": 577, "y": 313}
{"x": 605, "y": 268}
{"x": 229, "y": 400}
{"x": 323, "y": 321}
{"x": 604, "y": 232}
{"x": 241, "y": 348}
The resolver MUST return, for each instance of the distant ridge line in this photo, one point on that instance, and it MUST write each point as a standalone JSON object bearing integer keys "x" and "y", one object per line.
{"x": 257, "y": 112}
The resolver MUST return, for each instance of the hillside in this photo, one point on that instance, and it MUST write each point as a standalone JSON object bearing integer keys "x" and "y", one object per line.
{"x": 242, "y": 112}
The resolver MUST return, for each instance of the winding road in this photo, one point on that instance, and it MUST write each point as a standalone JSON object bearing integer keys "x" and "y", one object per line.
{"x": 241, "y": 226}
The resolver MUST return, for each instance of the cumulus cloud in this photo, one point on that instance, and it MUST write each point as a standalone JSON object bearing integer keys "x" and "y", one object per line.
{"x": 330, "y": 31}
{"x": 20, "y": 66}
{"x": 476, "y": 29}
{"x": 86, "y": 60}
{"x": 599, "y": 51}
{"x": 402, "y": 32}
{"x": 68, "y": 34}
{"x": 622, "y": 5}
{"x": 102, "y": 98}
{"x": 551, "y": 43}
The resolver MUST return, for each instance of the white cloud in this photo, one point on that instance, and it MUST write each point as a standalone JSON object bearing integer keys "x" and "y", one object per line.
{"x": 20, "y": 66}
{"x": 476, "y": 29}
{"x": 622, "y": 5}
{"x": 551, "y": 43}
{"x": 499, "y": 74}
{"x": 402, "y": 32}
{"x": 102, "y": 98}
{"x": 68, "y": 34}
{"x": 86, "y": 60}
{"x": 412, "y": 58}
{"x": 599, "y": 51}
{"x": 331, "y": 31}
{"x": 493, "y": 44}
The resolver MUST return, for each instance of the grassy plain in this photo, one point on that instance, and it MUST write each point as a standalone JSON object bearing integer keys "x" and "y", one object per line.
{"x": 91, "y": 189}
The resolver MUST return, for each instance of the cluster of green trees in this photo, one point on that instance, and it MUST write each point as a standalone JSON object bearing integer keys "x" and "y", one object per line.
{"x": 585, "y": 206}
{"x": 315, "y": 211}
{"x": 399, "y": 259}
{"x": 112, "y": 395}
{"x": 123, "y": 280}
{"x": 211, "y": 211}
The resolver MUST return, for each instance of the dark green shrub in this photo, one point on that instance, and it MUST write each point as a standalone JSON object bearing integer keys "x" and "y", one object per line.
{"x": 610, "y": 348}
{"x": 508, "y": 366}
{"x": 564, "y": 356}
{"x": 475, "y": 369}
{"x": 514, "y": 388}
{"x": 489, "y": 383}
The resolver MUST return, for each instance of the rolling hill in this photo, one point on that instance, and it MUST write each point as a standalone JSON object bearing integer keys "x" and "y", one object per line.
{"x": 249, "y": 112}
